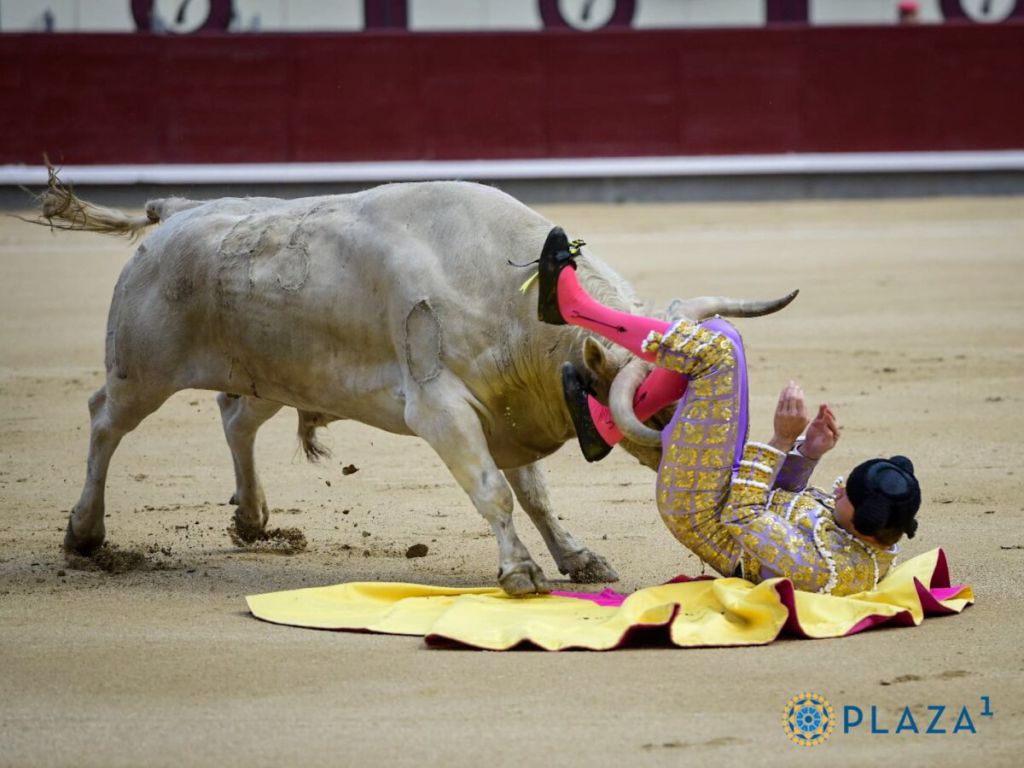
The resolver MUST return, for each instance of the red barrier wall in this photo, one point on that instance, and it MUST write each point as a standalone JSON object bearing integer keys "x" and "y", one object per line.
{"x": 267, "y": 98}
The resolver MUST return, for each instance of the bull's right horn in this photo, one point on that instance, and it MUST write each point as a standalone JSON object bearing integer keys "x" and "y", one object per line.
{"x": 702, "y": 307}
{"x": 620, "y": 400}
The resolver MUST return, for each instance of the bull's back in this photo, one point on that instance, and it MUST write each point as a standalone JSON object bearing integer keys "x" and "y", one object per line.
{"x": 306, "y": 296}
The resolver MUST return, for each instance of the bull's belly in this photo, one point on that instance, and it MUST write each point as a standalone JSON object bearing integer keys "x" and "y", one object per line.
{"x": 372, "y": 395}
{"x": 311, "y": 348}
{"x": 301, "y": 366}
{"x": 343, "y": 388}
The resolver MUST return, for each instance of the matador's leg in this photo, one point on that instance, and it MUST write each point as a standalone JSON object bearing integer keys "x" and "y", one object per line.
{"x": 579, "y": 308}
{"x": 705, "y": 438}
{"x": 669, "y": 381}
{"x": 662, "y": 387}
{"x": 708, "y": 430}
{"x": 559, "y": 285}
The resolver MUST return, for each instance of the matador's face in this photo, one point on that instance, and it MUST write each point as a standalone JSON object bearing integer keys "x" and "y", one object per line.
{"x": 843, "y": 512}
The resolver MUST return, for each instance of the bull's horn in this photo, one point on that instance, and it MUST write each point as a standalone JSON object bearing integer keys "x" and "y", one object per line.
{"x": 620, "y": 399}
{"x": 706, "y": 306}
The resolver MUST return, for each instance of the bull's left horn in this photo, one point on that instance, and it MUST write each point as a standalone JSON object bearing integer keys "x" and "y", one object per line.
{"x": 706, "y": 306}
{"x": 620, "y": 400}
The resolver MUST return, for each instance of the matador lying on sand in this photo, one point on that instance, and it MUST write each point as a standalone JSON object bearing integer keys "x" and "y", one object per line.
{"x": 743, "y": 507}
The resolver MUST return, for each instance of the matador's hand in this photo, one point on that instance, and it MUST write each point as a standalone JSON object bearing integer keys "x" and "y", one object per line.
{"x": 822, "y": 434}
{"x": 790, "y": 417}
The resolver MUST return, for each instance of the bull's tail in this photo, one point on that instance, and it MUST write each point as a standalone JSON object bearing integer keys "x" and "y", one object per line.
{"x": 309, "y": 422}
{"x": 61, "y": 208}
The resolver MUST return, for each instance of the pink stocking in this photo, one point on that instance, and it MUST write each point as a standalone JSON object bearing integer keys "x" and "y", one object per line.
{"x": 579, "y": 308}
{"x": 660, "y": 388}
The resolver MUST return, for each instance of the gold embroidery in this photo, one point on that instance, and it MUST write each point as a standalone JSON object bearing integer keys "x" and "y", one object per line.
{"x": 706, "y": 500}
{"x": 787, "y": 565}
{"x": 698, "y": 410}
{"x": 709, "y": 481}
{"x": 713, "y": 457}
{"x": 718, "y": 433}
{"x": 723, "y": 384}
{"x": 721, "y": 410}
{"x": 694, "y": 433}
{"x": 683, "y": 478}
{"x": 749, "y": 541}
{"x": 701, "y": 387}
{"x": 752, "y": 569}
{"x": 688, "y": 457}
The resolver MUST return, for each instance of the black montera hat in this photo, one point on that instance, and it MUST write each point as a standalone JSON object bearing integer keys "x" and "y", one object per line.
{"x": 885, "y": 497}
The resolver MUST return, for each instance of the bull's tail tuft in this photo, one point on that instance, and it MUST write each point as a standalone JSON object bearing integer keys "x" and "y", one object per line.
{"x": 61, "y": 208}
{"x": 311, "y": 446}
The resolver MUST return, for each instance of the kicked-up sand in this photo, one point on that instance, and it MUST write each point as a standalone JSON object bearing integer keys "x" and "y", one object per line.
{"x": 910, "y": 322}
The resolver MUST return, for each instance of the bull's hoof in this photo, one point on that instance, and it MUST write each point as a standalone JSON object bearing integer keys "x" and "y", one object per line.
{"x": 524, "y": 579}
{"x": 82, "y": 545}
{"x": 233, "y": 500}
{"x": 586, "y": 567}
{"x": 244, "y": 531}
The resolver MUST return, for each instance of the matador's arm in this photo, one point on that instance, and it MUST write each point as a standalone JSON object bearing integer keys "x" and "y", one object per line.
{"x": 796, "y": 470}
{"x": 779, "y": 545}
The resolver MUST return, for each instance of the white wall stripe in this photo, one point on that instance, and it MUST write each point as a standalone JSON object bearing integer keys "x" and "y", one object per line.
{"x": 616, "y": 167}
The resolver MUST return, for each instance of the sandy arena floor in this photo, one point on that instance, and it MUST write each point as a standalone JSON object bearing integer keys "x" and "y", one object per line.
{"x": 910, "y": 321}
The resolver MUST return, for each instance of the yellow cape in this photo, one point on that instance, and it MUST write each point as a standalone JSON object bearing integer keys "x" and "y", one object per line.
{"x": 719, "y": 612}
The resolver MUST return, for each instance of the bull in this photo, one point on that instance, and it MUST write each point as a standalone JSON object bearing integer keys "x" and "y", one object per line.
{"x": 396, "y": 307}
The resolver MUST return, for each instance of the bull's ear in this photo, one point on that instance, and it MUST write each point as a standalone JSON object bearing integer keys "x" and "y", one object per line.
{"x": 594, "y": 356}
{"x": 601, "y": 366}
{"x": 677, "y": 310}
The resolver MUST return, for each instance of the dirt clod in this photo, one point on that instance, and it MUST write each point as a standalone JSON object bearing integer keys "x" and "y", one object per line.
{"x": 109, "y": 558}
{"x": 349, "y": 469}
{"x": 280, "y": 541}
{"x": 416, "y": 550}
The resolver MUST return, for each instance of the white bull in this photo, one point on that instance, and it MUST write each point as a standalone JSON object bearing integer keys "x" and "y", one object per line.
{"x": 396, "y": 307}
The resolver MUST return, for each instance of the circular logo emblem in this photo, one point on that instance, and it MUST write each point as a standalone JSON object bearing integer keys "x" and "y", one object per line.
{"x": 808, "y": 719}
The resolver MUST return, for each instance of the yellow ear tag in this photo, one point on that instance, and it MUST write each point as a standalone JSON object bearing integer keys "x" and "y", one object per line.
{"x": 529, "y": 281}
{"x": 574, "y": 250}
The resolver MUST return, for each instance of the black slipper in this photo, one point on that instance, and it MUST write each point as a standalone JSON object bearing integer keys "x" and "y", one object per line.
{"x": 554, "y": 257}
{"x": 575, "y": 392}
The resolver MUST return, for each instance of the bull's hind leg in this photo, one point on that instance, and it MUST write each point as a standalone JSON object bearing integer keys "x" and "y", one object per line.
{"x": 441, "y": 415}
{"x": 115, "y": 409}
{"x": 242, "y": 416}
{"x": 582, "y": 565}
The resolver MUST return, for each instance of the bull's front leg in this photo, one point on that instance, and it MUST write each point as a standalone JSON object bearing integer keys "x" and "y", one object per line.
{"x": 581, "y": 564}
{"x": 242, "y": 417}
{"x": 439, "y": 412}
